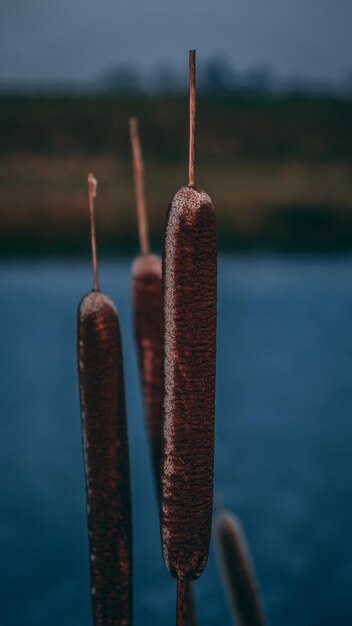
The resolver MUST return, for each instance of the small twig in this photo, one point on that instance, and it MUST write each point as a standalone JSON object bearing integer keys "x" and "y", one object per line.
{"x": 92, "y": 193}
{"x": 138, "y": 169}
{"x": 192, "y": 116}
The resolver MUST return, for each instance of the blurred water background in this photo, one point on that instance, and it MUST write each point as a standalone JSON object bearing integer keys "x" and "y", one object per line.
{"x": 274, "y": 151}
{"x": 283, "y": 459}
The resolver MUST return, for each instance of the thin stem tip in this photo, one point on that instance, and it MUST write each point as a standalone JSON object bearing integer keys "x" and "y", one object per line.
{"x": 138, "y": 170}
{"x": 192, "y": 116}
{"x": 92, "y": 194}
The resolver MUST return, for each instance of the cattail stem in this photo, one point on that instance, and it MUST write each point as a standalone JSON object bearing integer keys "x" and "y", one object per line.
{"x": 92, "y": 193}
{"x": 182, "y": 602}
{"x": 192, "y": 115}
{"x": 105, "y": 443}
{"x": 189, "y": 329}
{"x": 138, "y": 169}
{"x": 192, "y": 613}
{"x": 238, "y": 572}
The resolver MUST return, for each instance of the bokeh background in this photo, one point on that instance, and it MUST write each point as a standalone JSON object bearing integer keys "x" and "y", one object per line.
{"x": 274, "y": 150}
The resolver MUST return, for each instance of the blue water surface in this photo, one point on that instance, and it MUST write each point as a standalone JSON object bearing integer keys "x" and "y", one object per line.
{"x": 283, "y": 446}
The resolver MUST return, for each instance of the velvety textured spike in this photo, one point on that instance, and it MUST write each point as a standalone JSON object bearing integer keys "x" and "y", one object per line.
{"x": 189, "y": 322}
{"x": 146, "y": 281}
{"x": 106, "y": 460}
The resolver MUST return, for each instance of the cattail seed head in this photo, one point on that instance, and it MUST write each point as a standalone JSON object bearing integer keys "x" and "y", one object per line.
{"x": 146, "y": 284}
{"x": 189, "y": 321}
{"x": 106, "y": 460}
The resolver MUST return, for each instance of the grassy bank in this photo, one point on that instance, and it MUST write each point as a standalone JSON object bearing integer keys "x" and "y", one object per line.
{"x": 279, "y": 171}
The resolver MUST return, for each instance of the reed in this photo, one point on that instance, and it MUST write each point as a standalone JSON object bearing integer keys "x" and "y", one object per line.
{"x": 146, "y": 289}
{"x": 105, "y": 444}
{"x": 238, "y": 572}
{"x": 146, "y": 293}
{"x": 189, "y": 329}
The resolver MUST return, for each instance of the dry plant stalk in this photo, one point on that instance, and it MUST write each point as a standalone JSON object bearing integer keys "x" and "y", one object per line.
{"x": 192, "y": 116}
{"x": 189, "y": 325}
{"x": 147, "y": 308}
{"x": 92, "y": 194}
{"x": 106, "y": 455}
{"x": 238, "y": 572}
{"x": 146, "y": 293}
{"x": 138, "y": 169}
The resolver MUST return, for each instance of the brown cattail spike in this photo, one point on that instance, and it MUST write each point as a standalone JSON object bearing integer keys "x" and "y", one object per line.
{"x": 92, "y": 193}
{"x": 189, "y": 322}
{"x": 104, "y": 427}
{"x": 238, "y": 572}
{"x": 192, "y": 116}
{"x": 189, "y": 275}
{"x": 138, "y": 168}
{"x": 146, "y": 289}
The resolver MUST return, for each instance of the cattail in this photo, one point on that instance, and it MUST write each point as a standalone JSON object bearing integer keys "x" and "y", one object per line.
{"x": 189, "y": 322}
{"x": 146, "y": 286}
{"x": 238, "y": 572}
{"x": 106, "y": 451}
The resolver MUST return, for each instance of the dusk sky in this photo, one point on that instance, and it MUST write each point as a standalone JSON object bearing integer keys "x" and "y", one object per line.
{"x": 58, "y": 40}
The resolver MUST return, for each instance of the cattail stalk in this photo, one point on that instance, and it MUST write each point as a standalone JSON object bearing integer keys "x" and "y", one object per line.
{"x": 182, "y": 604}
{"x": 92, "y": 193}
{"x": 192, "y": 116}
{"x": 238, "y": 572}
{"x": 138, "y": 169}
{"x": 189, "y": 323}
{"x": 146, "y": 288}
{"x": 104, "y": 429}
{"x": 146, "y": 292}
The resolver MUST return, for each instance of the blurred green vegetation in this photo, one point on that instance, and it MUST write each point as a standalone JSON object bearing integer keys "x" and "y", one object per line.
{"x": 278, "y": 169}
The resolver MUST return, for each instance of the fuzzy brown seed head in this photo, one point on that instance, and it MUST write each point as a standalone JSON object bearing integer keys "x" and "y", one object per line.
{"x": 189, "y": 319}
{"x": 106, "y": 460}
{"x": 146, "y": 266}
{"x": 146, "y": 280}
